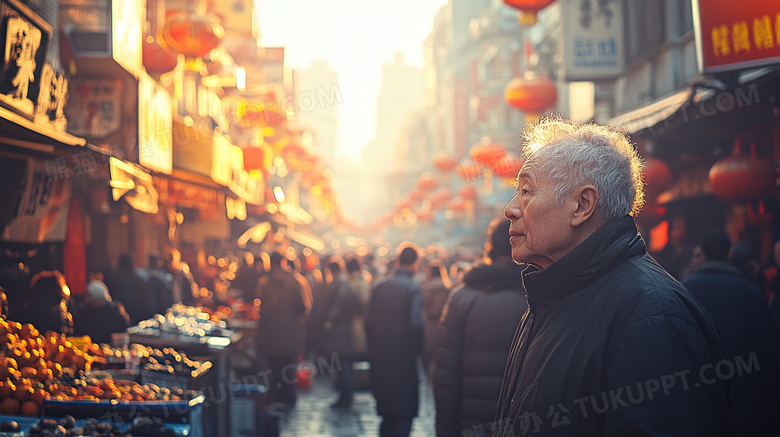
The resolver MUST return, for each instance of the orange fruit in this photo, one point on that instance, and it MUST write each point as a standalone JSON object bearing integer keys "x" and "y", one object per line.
{"x": 29, "y": 372}
{"x": 23, "y": 393}
{"x": 45, "y": 375}
{"x": 38, "y": 396}
{"x": 10, "y": 362}
{"x": 7, "y": 389}
{"x": 30, "y": 408}
{"x": 9, "y": 406}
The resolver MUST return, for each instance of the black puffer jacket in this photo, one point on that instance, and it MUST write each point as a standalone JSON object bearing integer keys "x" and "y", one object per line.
{"x": 613, "y": 346}
{"x": 473, "y": 340}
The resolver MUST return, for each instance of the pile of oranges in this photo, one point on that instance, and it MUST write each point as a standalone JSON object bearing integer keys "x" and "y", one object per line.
{"x": 35, "y": 367}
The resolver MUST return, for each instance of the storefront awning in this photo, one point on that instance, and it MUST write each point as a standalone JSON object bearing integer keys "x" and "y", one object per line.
{"x": 134, "y": 185}
{"x": 16, "y": 130}
{"x": 650, "y": 115}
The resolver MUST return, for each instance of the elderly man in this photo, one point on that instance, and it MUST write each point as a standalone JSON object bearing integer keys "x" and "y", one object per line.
{"x": 611, "y": 344}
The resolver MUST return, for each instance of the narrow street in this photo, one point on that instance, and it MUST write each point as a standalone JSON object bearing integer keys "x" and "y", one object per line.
{"x": 313, "y": 417}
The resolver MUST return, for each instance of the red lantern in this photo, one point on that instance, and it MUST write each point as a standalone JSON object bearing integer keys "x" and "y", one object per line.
{"x": 402, "y": 205}
{"x": 456, "y": 204}
{"x": 528, "y": 9}
{"x": 445, "y": 163}
{"x": 741, "y": 178}
{"x": 468, "y": 170}
{"x": 191, "y": 34}
{"x": 426, "y": 182}
{"x": 157, "y": 59}
{"x": 468, "y": 192}
{"x": 532, "y": 95}
{"x": 658, "y": 177}
{"x": 508, "y": 167}
{"x": 294, "y": 151}
{"x": 651, "y": 214}
{"x": 487, "y": 152}
{"x": 424, "y": 215}
{"x": 416, "y": 195}
{"x": 253, "y": 158}
{"x": 440, "y": 197}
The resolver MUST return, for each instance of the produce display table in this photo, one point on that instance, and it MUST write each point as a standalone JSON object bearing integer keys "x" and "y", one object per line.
{"x": 215, "y": 385}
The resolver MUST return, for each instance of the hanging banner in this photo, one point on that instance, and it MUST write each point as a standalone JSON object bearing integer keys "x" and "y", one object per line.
{"x": 41, "y": 210}
{"x": 593, "y": 41}
{"x": 733, "y": 36}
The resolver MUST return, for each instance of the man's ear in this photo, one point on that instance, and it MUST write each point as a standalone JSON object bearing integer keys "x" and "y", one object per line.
{"x": 586, "y": 198}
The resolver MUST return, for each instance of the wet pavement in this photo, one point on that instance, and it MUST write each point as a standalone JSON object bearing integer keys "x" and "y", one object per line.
{"x": 313, "y": 417}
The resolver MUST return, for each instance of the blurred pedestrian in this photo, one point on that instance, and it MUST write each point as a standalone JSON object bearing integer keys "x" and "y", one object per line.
{"x": 740, "y": 312}
{"x": 343, "y": 308}
{"x": 744, "y": 256}
{"x": 361, "y": 285}
{"x": 279, "y": 334}
{"x": 435, "y": 289}
{"x": 603, "y": 316}
{"x": 128, "y": 288}
{"x": 170, "y": 283}
{"x": 474, "y": 337}
{"x": 47, "y": 305}
{"x": 98, "y": 316}
{"x": 394, "y": 328}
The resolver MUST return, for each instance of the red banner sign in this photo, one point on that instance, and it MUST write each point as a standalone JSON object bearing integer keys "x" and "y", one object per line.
{"x": 732, "y": 36}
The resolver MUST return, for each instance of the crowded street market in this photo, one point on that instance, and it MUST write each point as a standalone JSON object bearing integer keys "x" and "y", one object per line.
{"x": 412, "y": 218}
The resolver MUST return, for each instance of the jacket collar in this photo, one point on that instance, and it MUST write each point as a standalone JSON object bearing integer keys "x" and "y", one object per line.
{"x": 610, "y": 245}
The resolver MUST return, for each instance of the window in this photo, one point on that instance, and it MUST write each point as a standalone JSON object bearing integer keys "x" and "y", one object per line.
{"x": 645, "y": 26}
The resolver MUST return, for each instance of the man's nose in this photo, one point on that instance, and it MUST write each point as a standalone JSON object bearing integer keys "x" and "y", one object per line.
{"x": 512, "y": 209}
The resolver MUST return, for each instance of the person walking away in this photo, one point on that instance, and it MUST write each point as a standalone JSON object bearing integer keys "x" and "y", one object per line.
{"x": 47, "y": 306}
{"x": 360, "y": 282}
{"x": 394, "y": 330}
{"x": 435, "y": 289}
{"x": 98, "y": 316}
{"x": 170, "y": 283}
{"x": 279, "y": 334}
{"x": 604, "y": 320}
{"x": 474, "y": 337}
{"x": 128, "y": 288}
{"x": 739, "y": 310}
{"x": 342, "y": 311}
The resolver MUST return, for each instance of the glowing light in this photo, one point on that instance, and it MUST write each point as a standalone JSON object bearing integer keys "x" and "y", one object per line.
{"x": 279, "y": 194}
{"x": 241, "y": 79}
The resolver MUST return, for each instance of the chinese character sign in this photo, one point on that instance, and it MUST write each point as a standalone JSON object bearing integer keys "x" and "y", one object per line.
{"x": 732, "y": 36}
{"x": 592, "y": 39}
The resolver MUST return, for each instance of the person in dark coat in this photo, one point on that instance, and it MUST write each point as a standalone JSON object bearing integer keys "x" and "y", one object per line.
{"x": 474, "y": 336}
{"x": 611, "y": 344}
{"x": 170, "y": 283}
{"x": 47, "y": 305}
{"x": 435, "y": 290}
{"x": 343, "y": 308}
{"x": 128, "y": 288}
{"x": 99, "y": 316}
{"x": 394, "y": 329}
{"x": 739, "y": 310}
{"x": 279, "y": 335}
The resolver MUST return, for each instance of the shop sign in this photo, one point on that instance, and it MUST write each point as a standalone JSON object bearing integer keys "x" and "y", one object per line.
{"x": 592, "y": 39}
{"x": 95, "y": 111}
{"x": 733, "y": 36}
{"x": 28, "y": 85}
{"x": 155, "y": 118}
{"x": 41, "y": 210}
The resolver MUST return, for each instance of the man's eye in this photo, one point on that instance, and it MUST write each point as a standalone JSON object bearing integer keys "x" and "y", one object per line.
{"x": 523, "y": 191}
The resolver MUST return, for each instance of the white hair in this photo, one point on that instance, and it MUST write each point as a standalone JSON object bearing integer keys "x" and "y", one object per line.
{"x": 573, "y": 155}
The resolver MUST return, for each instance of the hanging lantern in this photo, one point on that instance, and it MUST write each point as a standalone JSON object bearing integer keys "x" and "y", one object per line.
{"x": 192, "y": 34}
{"x": 487, "y": 152}
{"x": 456, "y": 204}
{"x": 468, "y": 192}
{"x": 741, "y": 178}
{"x": 424, "y": 215}
{"x": 532, "y": 95}
{"x": 440, "y": 197}
{"x": 416, "y": 195}
{"x": 468, "y": 170}
{"x": 508, "y": 167}
{"x": 427, "y": 182}
{"x": 156, "y": 58}
{"x": 528, "y": 10}
{"x": 657, "y": 177}
{"x": 253, "y": 158}
{"x": 445, "y": 163}
{"x": 402, "y": 205}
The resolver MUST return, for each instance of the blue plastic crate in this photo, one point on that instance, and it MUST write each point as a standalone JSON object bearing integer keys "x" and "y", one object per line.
{"x": 25, "y": 425}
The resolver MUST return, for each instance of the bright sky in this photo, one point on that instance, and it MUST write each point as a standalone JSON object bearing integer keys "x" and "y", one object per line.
{"x": 357, "y": 37}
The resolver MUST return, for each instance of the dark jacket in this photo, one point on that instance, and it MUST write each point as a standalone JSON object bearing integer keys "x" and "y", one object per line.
{"x": 738, "y": 308}
{"x": 99, "y": 323}
{"x": 160, "y": 286}
{"x": 344, "y": 306}
{"x": 281, "y": 304}
{"x": 129, "y": 288}
{"x": 394, "y": 331}
{"x": 612, "y": 345}
{"x": 473, "y": 341}
{"x": 434, "y": 296}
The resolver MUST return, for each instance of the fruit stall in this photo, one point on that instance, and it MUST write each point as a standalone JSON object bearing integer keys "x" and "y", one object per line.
{"x": 53, "y": 385}
{"x": 201, "y": 333}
